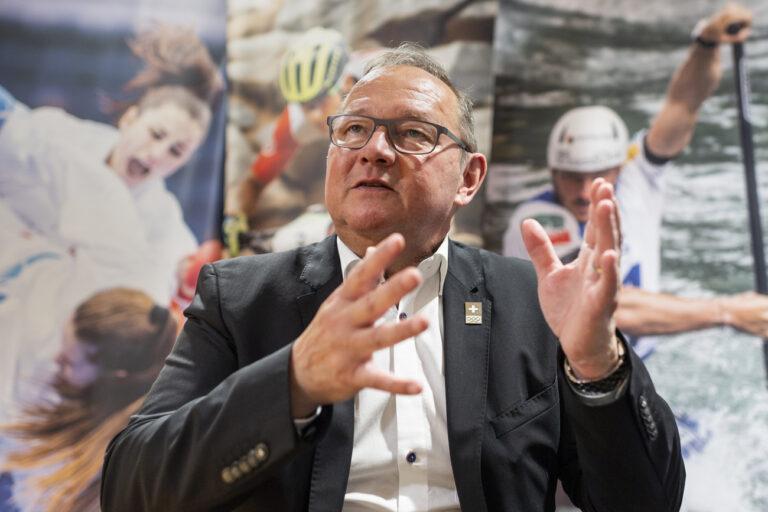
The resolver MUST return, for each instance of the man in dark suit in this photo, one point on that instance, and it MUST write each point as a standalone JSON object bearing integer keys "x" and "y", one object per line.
{"x": 388, "y": 368}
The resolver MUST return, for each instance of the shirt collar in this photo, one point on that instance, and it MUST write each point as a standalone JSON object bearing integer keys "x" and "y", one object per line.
{"x": 437, "y": 263}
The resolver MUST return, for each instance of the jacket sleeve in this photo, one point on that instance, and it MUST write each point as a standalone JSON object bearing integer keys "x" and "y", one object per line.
{"x": 209, "y": 430}
{"x": 624, "y": 455}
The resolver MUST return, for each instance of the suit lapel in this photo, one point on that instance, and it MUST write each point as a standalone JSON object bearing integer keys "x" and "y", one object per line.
{"x": 330, "y": 469}
{"x": 466, "y": 349}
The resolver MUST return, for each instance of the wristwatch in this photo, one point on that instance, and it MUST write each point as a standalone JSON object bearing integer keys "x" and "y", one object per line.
{"x": 604, "y": 390}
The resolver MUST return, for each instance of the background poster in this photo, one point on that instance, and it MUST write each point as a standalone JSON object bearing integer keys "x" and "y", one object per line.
{"x": 552, "y": 55}
{"x": 87, "y": 312}
{"x": 273, "y": 178}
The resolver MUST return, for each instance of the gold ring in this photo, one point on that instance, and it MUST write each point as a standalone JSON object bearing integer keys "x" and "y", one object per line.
{"x": 597, "y": 269}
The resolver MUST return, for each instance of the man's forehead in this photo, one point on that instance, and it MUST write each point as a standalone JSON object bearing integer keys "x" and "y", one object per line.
{"x": 397, "y": 73}
{"x": 407, "y": 91}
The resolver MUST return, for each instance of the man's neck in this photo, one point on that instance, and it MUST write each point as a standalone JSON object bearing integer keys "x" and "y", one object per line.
{"x": 411, "y": 256}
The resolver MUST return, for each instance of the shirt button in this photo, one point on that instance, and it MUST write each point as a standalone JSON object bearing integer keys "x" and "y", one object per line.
{"x": 403, "y": 316}
{"x": 411, "y": 457}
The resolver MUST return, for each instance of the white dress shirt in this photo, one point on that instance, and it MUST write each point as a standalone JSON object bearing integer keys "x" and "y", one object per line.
{"x": 400, "y": 457}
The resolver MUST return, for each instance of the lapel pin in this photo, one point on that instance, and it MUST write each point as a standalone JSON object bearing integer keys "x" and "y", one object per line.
{"x": 473, "y": 313}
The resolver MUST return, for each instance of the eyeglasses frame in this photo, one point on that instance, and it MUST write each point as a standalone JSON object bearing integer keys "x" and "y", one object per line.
{"x": 387, "y": 123}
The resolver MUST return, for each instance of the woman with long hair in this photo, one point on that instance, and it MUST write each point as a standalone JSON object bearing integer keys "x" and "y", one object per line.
{"x": 100, "y": 188}
{"x": 113, "y": 348}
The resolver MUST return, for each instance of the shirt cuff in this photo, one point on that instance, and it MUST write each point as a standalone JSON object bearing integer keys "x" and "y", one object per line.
{"x": 301, "y": 424}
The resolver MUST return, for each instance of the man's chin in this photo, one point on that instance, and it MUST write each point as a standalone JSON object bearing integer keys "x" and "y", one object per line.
{"x": 581, "y": 213}
{"x": 372, "y": 228}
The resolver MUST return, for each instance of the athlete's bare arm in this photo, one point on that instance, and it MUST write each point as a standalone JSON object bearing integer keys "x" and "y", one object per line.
{"x": 642, "y": 313}
{"x": 694, "y": 81}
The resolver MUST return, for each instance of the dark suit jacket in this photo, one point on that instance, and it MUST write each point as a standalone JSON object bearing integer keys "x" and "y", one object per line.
{"x": 514, "y": 426}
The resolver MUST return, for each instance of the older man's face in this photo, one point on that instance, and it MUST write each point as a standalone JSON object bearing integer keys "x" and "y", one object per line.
{"x": 374, "y": 191}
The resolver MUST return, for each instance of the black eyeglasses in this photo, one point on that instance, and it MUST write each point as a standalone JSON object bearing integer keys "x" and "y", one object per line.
{"x": 410, "y": 136}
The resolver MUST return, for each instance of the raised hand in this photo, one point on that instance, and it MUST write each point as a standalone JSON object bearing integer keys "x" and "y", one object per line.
{"x": 579, "y": 299}
{"x": 332, "y": 359}
{"x": 729, "y": 25}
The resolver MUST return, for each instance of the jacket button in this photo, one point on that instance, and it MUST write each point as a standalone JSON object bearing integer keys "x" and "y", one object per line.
{"x": 226, "y": 475}
{"x": 244, "y": 466}
{"x": 261, "y": 451}
{"x": 253, "y": 461}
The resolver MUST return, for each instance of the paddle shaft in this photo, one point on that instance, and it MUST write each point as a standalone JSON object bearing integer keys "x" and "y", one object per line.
{"x": 748, "y": 157}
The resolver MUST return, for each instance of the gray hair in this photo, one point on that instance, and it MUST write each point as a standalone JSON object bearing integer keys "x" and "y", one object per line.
{"x": 413, "y": 54}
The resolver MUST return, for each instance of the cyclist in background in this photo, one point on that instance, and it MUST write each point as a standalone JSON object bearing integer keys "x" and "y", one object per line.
{"x": 315, "y": 74}
{"x": 310, "y": 82}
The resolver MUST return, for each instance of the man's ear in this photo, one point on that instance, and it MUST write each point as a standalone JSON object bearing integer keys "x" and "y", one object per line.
{"x": 128, "y": 117}
{"x": 472, "y": 177}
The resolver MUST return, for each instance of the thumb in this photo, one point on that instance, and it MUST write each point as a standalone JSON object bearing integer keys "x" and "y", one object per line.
{"x": 539, "y": 248}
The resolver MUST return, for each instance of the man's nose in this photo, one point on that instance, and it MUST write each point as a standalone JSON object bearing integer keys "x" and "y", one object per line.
{"x": 379, "y": 148}
{"x": 585, "y": 186}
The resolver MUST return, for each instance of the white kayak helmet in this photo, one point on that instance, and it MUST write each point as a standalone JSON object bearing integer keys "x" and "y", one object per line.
{"x": 587, "y": 139}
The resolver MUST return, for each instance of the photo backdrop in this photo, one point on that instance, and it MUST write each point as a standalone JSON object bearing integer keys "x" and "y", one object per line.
{"x": 524, "y": 63}
{"x": 553, "y": 55}
{"x": 78, "y": 277}
{"x": 277, "y": 205}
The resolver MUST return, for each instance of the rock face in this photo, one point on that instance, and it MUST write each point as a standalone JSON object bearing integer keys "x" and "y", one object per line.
{"x": 459, "y": 33}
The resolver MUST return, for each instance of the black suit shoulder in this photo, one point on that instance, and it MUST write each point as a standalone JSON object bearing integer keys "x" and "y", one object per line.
{"x": 271, "y": 281}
